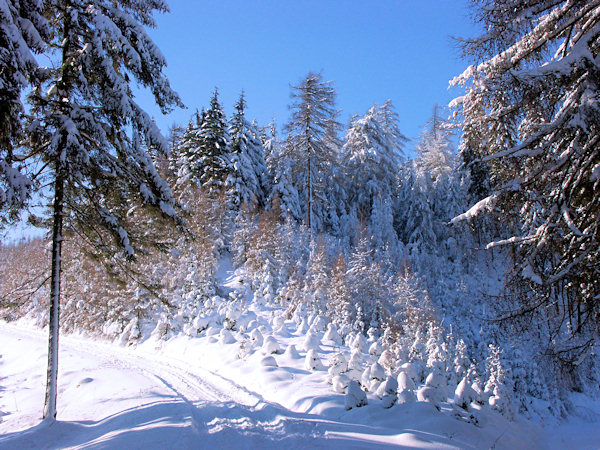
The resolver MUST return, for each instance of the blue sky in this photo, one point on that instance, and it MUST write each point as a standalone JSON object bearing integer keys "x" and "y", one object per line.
{"x": 372, "y": 50}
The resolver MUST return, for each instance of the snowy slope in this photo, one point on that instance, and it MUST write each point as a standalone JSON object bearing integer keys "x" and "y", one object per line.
{"x": 221, "y": 390}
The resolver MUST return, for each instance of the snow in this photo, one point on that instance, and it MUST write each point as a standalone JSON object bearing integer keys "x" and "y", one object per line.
{"x": 190, "y": 391}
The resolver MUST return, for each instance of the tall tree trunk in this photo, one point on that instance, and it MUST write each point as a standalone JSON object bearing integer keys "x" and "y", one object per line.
{"x": 57, "y": 238}
{"x": 309, "y": 194}
{"x": 63, "y": 85}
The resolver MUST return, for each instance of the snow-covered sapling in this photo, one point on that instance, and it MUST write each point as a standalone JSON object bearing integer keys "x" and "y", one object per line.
{"x": 270, "y": 346}
{"x": 387, "y": 392}
{"x": 291, "y": 352}
{"x": 410, "y": 371}
{"x": 212, "y": 331}
{"x": 405, "y": 382}
{"x": 387, "y": 361}
{"x": 359, "y": 343}
{"x": 338, "y": 364}
{"x": 303, "y": 326}
{"x": 201, "y": 323}
{"x": 464, "y": 394}
{"x": 355, "y": 396}
{"x": 226, "y": 337}
{"x": 311, "y": 342}
{"x": 256, "y": 338}
{"x": 372, "y": 376}
{"x": 161, "y": 330}
{"x": 332, "y": 336}
{"x": 372, "y": 334}
{"x": 340, "y": 383}
{"x": 434, "y": 390}
{"x": 312, "y": 361}
{"x": 376, "y": 349}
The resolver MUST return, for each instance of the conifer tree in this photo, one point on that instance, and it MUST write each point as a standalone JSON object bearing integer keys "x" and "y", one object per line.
{"x": 184, "y": 156}
{"x": 213, "y": 164}
{"x": 312, "y": 142}
{"x": 247, "y": 178}
{"x": 533, "y": 93}
{"x": 87, "y": 130}
{"x": 373, "y": 151}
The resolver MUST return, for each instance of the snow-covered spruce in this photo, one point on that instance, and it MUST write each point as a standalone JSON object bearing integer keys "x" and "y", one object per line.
{"x": 355, "y": 396}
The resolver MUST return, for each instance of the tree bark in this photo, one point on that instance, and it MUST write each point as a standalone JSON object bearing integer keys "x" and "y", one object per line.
{"x": 53, "y": 324}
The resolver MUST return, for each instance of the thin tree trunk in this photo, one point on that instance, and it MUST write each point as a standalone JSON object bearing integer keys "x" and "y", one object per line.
{"x": 63, "y": 85}
{"x": 57, "y": 238}
{"x": 309, "y": 194}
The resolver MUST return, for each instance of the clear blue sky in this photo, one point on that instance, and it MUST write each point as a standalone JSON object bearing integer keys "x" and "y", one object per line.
{"x": 372, "y": 50}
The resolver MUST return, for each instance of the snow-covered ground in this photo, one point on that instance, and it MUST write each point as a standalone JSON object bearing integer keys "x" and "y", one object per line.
{"x": 223, "y": 389}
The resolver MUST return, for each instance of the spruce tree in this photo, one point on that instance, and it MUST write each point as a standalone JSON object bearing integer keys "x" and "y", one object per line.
{"x": 184, "y": 157}
{"x": 373, "y": 153}
{"x": 87, "y": 129}
{"x": 247, "y": 179}
{"x": 213, "y": 164}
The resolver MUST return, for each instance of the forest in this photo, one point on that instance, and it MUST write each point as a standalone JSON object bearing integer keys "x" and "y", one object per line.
{"x": 471, "y": 254}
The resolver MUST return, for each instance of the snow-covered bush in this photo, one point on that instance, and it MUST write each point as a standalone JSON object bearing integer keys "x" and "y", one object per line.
{"x": 355, "y": 396}
{"x": 270, "y": 346}
{"x": 388, "y": 392}
{"x": 332, "y": 336}
{"x": 312, "y": 361}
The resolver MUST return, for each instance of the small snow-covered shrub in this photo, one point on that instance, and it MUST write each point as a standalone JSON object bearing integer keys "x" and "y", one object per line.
{"x": 355, "y": 396}
{"x": 338, "y": 364}
{"x": 312, "y": 361}
{"x": 434, "y": 390}
{"x": 406, "y": 396}
{"x": 376, "y": 349}
{"x": 311, "y": 342}
{"x": 410, "y": 371}
{"x": 359, "y": 343}
{"x": 291, "y": 352}
{"x": 256, "y": 338}
{"x": 372, "y": 377}
{"x": 387, "y": 361}
{"x": 226, "y": 337}
{"x": 212, "y": 331}
{"x": 405, "y": 382}
{"x": 387, "y": 392}
{"x": 270, "y": 346}
{"x": 357, "y": 359}
{"x": 161, "y": 330}
{"x": 332, "y": 336}
{"x": 464, "y": 394}
{"x": 303, "y": 326}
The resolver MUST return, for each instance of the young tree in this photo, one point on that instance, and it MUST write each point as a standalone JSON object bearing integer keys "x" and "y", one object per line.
{"x": 86, "y": 128}
{"x": 373, "y": 152}
{"x": 247, "y": 178}
{"x": 435, "y": 156}
{"x": 184, "y": 156}
{"x": 312, "y": 140}
{"x": 213, "y": 165}
{"x": 534, "y": 92}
